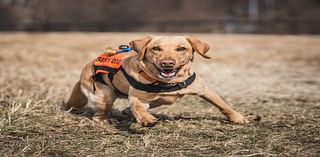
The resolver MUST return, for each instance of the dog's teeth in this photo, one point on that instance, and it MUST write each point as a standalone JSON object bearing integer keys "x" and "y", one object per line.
{"x": 163, "y": 74}
{"x": 172, "y": 74}
{"x": 168, "y": 74}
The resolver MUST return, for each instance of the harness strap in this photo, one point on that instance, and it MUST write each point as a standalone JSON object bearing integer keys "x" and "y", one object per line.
{"x": 98, "y": 77}
{"x": 161, "y": 87}
{"x": 105, "y": 69}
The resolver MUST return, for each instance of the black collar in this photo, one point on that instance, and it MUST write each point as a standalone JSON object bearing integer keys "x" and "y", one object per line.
{"x": 160, "y": 87}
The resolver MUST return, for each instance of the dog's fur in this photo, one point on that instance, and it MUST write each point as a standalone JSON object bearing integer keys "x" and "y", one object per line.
{"x": 149, "y": 51}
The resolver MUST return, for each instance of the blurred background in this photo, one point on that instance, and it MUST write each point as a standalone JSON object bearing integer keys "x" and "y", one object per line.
{"x": 274, "y": 74}
{"x": 200, "y": 16}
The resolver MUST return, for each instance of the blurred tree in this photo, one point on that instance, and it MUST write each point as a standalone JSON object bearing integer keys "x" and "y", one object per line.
{"x": 247, "y": 16}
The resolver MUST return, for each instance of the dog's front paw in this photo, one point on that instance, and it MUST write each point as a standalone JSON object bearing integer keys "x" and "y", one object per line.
{"x": 102, "y": 122}
{"x": 238, "y": 118}
{"x": 147, "y": 120}
{"x": 100, "y": 119}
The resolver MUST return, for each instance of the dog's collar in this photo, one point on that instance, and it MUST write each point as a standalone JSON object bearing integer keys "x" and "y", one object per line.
{"x": 160, "y": 87}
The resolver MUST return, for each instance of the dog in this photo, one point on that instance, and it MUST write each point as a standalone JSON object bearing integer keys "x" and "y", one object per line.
{"x": 157, "y": 72}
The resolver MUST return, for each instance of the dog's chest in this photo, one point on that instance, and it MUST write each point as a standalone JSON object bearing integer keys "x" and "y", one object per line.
{"x": 165, "y": 99}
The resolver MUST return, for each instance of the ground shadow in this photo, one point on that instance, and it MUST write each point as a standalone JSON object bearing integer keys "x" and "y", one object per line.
{"x": 125, "y": 121}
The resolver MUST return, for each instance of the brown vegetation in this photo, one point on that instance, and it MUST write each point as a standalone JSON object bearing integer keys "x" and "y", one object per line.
{"x": 276, "y": 77}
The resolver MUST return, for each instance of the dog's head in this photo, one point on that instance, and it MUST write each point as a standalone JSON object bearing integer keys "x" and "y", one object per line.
{"x": 168, "y": 57}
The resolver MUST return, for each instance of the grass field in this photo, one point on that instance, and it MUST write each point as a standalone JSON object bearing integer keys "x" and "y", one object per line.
{"x": 275, "y": 77}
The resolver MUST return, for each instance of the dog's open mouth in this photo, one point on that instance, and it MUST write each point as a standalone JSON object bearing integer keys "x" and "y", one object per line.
{"x": 167, "y": 72}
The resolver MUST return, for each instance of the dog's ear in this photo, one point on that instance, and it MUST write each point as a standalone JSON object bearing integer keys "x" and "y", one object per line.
{"x": 140, "y": 46}
{"x": 199, "y": 46}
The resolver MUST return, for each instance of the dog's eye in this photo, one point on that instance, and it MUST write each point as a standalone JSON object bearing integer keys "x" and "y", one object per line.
{"x": 181, "y": 49}
{"x": 156, "y": 48}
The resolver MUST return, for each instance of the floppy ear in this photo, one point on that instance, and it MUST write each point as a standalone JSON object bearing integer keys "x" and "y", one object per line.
{"x": 140, "y": 46}
{"x": 199, "y": 46}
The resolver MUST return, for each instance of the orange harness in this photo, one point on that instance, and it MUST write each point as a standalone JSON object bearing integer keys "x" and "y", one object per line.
{"x": 106, "y": 63}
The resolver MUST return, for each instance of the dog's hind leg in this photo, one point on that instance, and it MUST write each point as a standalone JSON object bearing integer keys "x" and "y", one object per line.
{"x": 77, "y": 99}
{"x": 100, "y": 101}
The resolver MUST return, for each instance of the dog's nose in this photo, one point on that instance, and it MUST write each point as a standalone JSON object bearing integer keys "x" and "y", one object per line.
{"x": 167, "y": 63}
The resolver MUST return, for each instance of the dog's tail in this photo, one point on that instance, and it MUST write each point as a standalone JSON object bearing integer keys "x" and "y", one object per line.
{"x": 77, "y": 99}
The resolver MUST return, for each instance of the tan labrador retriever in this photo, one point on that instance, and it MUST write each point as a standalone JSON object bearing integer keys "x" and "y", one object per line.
{"x": 158, "y": 72}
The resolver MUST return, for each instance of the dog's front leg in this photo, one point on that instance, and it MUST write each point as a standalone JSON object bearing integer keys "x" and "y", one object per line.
{"x": 139, "y": 110}
{"x": 214, "y": 99}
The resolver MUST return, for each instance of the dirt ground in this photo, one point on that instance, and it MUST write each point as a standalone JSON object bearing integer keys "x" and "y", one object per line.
{"x": 276, "y": 77}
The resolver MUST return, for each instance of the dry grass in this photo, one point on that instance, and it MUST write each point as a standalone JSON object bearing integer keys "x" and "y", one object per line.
{"x": 276, "y": 77}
